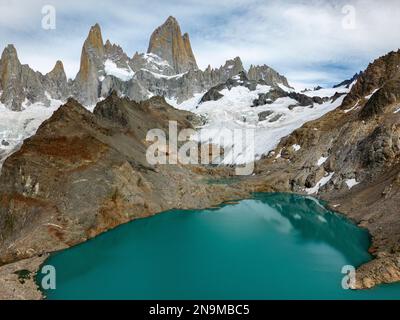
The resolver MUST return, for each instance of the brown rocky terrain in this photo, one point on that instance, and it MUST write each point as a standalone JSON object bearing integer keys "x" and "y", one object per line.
{"x": 84, "y": 173}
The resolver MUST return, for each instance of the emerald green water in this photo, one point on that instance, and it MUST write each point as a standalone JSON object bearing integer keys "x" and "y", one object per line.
{"x": 275, "y": 246}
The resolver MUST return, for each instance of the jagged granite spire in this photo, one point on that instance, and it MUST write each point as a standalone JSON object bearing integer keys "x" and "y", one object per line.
{"x": 86, "y": 86}
{"x": 10, "y": 71}
{"x": 56, "y": 82}
{"x": 168, "y": 43}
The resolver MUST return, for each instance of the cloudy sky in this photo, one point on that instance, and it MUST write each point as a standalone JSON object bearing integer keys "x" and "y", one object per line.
{"x": 311, "y": 42}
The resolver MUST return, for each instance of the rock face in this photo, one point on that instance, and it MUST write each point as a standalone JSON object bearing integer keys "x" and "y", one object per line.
{"x": 168, "y": 69}
{"x": 87, "y": 81}
{"x": 168, "y": 43}
{"x": 84, "y": 173}
{"x": 18, "y": 82}
{"x": 267, "y": 74}
{"x": 348, "y": 82}
{"x": 357, "y": 150}
{"x": 11, "y": 72}
{"x": 21, "y": 86}
{"x": 56, "y": 82}
{"x": 374, "y": 77}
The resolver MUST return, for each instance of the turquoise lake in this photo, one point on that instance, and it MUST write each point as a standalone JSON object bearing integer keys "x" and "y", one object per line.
{"x": 274, "y": 246}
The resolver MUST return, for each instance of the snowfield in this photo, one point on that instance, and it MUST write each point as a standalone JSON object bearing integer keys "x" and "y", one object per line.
{"x": 224, "y": 118}
{"x": 16, "y": 126}
{"x": 234, "y": 111}
{"x": 328, "y": 92}
{"x": 110, "y": 68}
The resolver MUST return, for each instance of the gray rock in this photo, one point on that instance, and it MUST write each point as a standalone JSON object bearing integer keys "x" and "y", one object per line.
{"x": 267, "y": 74}
{"x": 264, "y": 115}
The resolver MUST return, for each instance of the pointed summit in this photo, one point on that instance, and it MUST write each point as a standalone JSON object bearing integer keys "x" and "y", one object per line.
{"x": 95, "y": 39}
{"x": 92, "y": 52}
{"x": 168, "y": 43}
{"x": 55, "y": 82}
{"x": 10, "y": 51}
{"x": 58, "y": 68}
{"x": 92, "y": 60}
{"x": 10, "y": 79}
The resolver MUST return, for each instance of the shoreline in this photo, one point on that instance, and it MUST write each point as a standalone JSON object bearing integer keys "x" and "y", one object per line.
{"x": 30, "y": 290}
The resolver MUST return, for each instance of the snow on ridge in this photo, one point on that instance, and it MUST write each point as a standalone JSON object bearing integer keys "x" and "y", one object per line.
{"x": 162, "y": 76}
{"x": 234, "y": 111}
{"x": 327, "y": 92}
{"x": 320, "y": 183}
{"x": 153, "y": 58}
{"x": 16, "y": 126}
{"x": 110, "y": 68}
{"x": 370, "y": 95}
{"x": 285, "y": 88}
{"x": 321, "y": 161}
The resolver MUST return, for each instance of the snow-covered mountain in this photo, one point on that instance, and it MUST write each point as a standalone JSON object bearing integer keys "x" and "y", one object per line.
{"x": 240, "y": 104}
{"x": 227, "y": 97}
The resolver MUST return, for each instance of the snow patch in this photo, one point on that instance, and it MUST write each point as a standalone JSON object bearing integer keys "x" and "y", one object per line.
{"x": 234, "y": 111}
{"x": 296, "y": 147}
{"x": 351, "y": 109}
{"x": 188, "y": 105}
{"x": 285, "y": 88}
{"x": 351, "y": 183}
{"x": 321, "y": 161}
{"x": 155, "y": 59}
{"x": 320, "y": 184}
{"x": 110, "y": 68}
{"x": 16, "y": 126}
{"x": 328, "y": 92}
{"x": 161, "y": 76}
{"x": 373, "y": 92}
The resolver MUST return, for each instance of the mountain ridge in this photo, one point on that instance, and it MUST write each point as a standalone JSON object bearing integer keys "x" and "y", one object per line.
{"x": 168, "y": 69}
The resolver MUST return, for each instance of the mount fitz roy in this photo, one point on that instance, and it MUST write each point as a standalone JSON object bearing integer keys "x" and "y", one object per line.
{"x": 80, "y": 169}
{"x": 168, "y": 69}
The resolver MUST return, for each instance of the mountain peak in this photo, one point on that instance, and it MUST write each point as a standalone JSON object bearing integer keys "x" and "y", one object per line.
{"x": 57, "y": 72}
{"x": 10, "y": 53}
{"x": 171, "y": 20}
{"x": 58, "y": 66}
{"x": 10, "y": 48}
{"x": 92, "y": 55}
{"x": 267, "y": 74}
{"x": 168, "y": 43}
{"x": 95, "y": 38}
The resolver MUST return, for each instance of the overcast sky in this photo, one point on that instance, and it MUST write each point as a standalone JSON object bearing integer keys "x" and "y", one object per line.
{"x": 310, "y": 42}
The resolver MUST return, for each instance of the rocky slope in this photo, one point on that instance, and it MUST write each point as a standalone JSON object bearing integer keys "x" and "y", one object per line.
{"x": 267, "y": 74}
{"x": 84, "y": 173}
{"x": 351, "y": 157}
